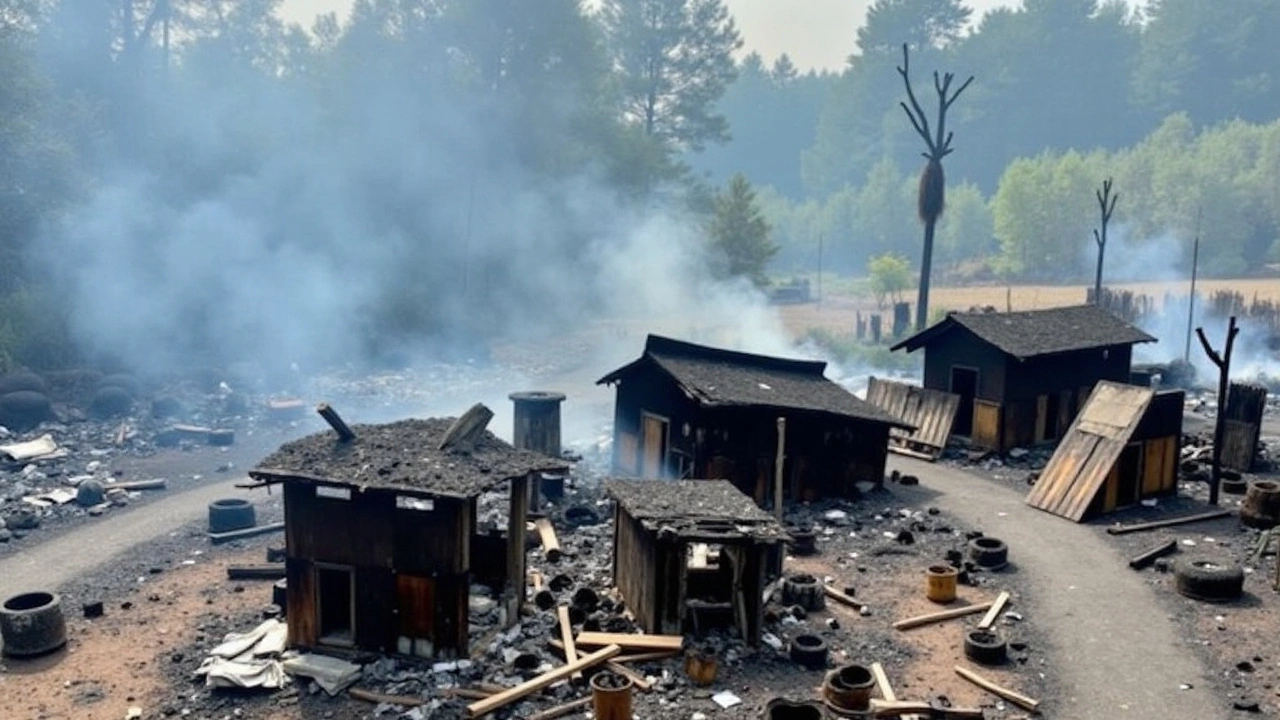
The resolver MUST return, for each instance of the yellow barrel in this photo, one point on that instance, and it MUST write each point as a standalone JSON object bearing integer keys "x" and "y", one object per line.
{"x": 941, "y": 587}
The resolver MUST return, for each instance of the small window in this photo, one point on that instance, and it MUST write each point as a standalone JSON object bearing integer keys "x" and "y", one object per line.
{"x": 335, "y": 493}
{"x": 407, "y": 502}
{"x": 702, "y": 556}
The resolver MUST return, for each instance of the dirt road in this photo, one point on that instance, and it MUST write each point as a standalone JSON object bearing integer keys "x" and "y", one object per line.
{"x": 51, "y": 564}
{"x": 1118, "y": 652}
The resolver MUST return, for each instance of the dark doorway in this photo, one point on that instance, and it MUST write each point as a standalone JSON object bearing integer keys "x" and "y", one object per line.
{"x": 1130, "y": 475}
{"x": 964, "y": 382}
{"x": 1052, "y": 410}
{"x": 653, "y": 431}
{"x": 336, "y": 597}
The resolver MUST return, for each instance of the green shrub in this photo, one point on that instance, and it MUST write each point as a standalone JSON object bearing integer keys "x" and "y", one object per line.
{"x": 845, "y": 349}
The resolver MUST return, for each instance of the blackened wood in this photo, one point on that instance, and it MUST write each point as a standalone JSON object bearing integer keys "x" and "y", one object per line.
{"x": 336, "y": 422}
{"x": 467, "y": 429}
{"x": 1150, "y": 556}
{"x": 1223, "y": 362}
{"x": 270, "y": 571}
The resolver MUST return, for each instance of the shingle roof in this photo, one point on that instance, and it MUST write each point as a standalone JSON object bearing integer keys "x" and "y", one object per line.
{"x": 402, "y": 455}
{"x": 726, "y": 378}
{"x": 694, "y": 508}
{"x": 1033, "y": 333}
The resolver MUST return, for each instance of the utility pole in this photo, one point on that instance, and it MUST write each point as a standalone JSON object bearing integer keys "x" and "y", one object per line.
{"x": 1191, "y": 300}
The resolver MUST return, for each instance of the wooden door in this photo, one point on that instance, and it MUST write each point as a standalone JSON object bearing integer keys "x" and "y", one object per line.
{"x": 415, "y": 604}
{"x": 653, "y": 431}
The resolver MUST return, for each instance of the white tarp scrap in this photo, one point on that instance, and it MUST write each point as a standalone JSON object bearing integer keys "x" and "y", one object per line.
{"x": 221, "y": 672}
{"x": 42, "y": 448}
{"x": 235, "y": 644}
{"x": 331, "y": 674}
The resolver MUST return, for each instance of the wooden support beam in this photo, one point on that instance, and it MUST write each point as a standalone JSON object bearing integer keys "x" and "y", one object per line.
{"x": 631, "y": 641}
{"x": 886, "y": 690}
{"x": 483, "y": 707}
{"x": 157, "y": 484}
{"x": 550, "y": 543}
{"x": 1139, "y": 527}
{"x": 566, "y": 638}
{"x": 919, "y": 620}
{"x": 996, "y": 608}
{"x": 217, "y": 538}
{"x": 637, "y": 678}
{"x": 915, "y": 708}
{"x": 560, "y": 711}
{"x": 467, "y": 429}
{"x": 1150, "y": 556}
{"x": 1018, "y": 699}
{"x": 336, "y": 422}
{"x": 270, "y": 571}
{"x": 841, "y": 598}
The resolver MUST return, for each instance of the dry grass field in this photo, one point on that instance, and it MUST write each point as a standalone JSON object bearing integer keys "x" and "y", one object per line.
{"x": 836, "y": 311}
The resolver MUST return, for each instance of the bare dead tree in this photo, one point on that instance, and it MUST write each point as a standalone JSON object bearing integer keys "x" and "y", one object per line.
{"x": 1223, "y": 362}
{"x": 1106, "y": 205}
{"x": 932, "y": 194}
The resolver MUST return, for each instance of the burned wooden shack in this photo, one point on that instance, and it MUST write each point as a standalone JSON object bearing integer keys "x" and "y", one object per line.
{"x": 692, "y": 555}
{"x": 686, "y": 410}
{"x": 1022, "y": 376}
{"x": 381, "y": 535}
{"x": 1122, "y": 448}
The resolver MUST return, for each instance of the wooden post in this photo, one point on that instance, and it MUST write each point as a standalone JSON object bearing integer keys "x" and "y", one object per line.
{"x": 336, "y": 422}
{"x": 1223, "y": 362}
{"x": 467, "y": 429}
{"x": 777, "y": 467}
{"x": 566, "y": 637}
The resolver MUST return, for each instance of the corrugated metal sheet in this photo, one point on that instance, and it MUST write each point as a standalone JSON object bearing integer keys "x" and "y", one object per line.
{"x": 931, "y": 412}
{"x": 1087, "y": 454}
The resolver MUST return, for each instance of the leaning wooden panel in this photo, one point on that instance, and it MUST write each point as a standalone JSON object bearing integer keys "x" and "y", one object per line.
{"x": 932, "y": 412}
{"x": 1088, "y": 454}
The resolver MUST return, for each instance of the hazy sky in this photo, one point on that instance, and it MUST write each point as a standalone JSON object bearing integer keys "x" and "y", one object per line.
{"x": 815, "y": 33}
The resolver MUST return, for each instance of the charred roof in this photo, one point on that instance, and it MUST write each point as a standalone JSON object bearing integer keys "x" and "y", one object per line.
{"x": 715, "y": 377}
{"x": 1033, "y": 333}
{"x": 694, "y": 509}
{"x": 402, "y": 455}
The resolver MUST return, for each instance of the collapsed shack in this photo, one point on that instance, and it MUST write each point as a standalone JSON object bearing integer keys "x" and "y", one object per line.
{"x": 381, "y": 534}
{"x": 686, "y": 410}
{"x": 693, "y": 555}
{"x": 1023, "y": 376}
{"x": 1122, "y": 448}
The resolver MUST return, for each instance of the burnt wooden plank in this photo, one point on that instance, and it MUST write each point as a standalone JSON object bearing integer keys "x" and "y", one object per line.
{"x": 301, "y": 601}
{"x": 375, "y": 609}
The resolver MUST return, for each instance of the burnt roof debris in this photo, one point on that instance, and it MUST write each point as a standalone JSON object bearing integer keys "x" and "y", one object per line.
{"x": 1034, "y": 333}
{"x": 718, "y": 378}
{"x": 403, "y": 455}
{"x": 695, "y": 509}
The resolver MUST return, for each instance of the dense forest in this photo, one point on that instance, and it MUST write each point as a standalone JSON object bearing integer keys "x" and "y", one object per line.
{"x": 183, "y": 178}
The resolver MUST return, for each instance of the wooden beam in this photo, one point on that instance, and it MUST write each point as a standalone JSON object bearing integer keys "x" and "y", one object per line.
{"x": 566, "y": 637}
{"x": 270, "y": 571}
{"x": 886, "y": 690}
{"x": 632, "y": 641}
{"x": 336, "y": 422}
{"x": 157, "y": 484}
{"x": 996, "y": 607}
{"x": 646, "y": 656}
{"x": 217, "y": 538}
{"x": 919, "y": 620}
{"x": 467, "y": 429}
{"x": 483, "y": 707}
{"x": 910, "y": 708}
{"x": 550, "y": 543}
{"x": 379, "y": 698}
{"x": 1018, "y": 699}
{"x": 1211, "y": 515}
{"x": 841, "y": 598}
{"x": 638, "y": 679}
{"x": 1150, "y": 556}
{"x": 559, "y": 711}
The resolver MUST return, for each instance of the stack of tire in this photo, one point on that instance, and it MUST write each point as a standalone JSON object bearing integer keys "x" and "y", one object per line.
{"x": 114, "y": 396}
{"x": 24, "y": 401}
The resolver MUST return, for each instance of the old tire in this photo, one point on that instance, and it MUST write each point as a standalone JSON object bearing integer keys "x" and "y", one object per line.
{"x": 32, "y": 624}
{"x": 809, "y": 651}
{"x": 1210, "y": 580}
{"x": 24, "y": 409}
{"x": 804, "y": 590}
{"x": 110, "y": 402}
{"x": 231, "y": 514}
{"x": 17, "y": 382}
{"x": 1234, "y": 487}
{"x": 985, "y": 647}
{"x": 988, "y": 553}
{"x": 124, "y": 381}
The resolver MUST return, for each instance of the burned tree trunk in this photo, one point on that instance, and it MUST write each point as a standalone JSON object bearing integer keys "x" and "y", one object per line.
{"x": 931, "y": 198}
{"x": 1107, "y": 205}
{"x": 1220, "y": 424}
